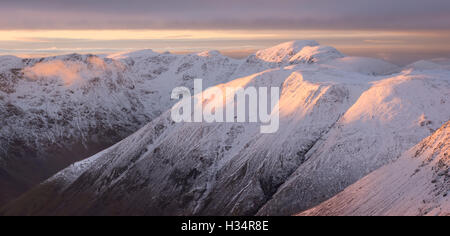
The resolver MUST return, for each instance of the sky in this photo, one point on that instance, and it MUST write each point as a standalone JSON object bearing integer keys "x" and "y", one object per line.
{"x": 401, "y": 31}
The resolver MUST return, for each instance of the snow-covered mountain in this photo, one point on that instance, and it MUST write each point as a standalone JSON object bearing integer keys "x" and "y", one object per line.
{"x": 340, "y": 118}
{"x": 57, "y": 110}
{"x": 416, "y": 184}
{"x": 390, "y": 117}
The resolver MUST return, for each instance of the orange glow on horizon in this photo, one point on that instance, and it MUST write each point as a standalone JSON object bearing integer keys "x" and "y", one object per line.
{"x": 41, "y": 35}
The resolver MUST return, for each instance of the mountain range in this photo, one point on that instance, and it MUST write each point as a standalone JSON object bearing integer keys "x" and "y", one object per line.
{"x": 341, "y": 118}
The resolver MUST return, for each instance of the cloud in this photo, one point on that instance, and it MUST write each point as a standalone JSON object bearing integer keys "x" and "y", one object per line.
{"x": 384, "y": 41}
{"x": 231, "y": 14}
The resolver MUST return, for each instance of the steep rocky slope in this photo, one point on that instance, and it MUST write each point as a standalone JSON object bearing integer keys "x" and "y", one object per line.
{"x": 416, "y": 184}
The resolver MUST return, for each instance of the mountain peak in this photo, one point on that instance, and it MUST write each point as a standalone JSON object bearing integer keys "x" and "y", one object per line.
{"x": 8, "y": 61}
{"x": 138, "y": 53}
{"x": 436, "y": 64}
{"x": 311, "y": 54}
{"x": 210, "y": 53}
{"x": 284, "y": 52}
{"x": 296, "y": 44}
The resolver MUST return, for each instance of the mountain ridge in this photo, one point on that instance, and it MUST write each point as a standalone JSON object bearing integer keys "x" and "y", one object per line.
{"x": 76, "y": 105}
{"x": 231, "y": 169}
